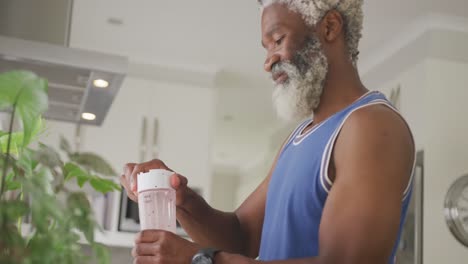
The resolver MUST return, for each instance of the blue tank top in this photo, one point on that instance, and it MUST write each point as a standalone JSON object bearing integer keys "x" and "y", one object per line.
{"x": 300, "y": 184}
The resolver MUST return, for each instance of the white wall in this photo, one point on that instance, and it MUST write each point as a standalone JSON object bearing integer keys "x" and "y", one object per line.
{"x": 252, "y": 174}
{"x": 413, "y": 85}
{"x": 433, "y": 95}
{"x": 446, "y": 156}
{"x": 224, "y": 186}
{"x": 251, "y": 177}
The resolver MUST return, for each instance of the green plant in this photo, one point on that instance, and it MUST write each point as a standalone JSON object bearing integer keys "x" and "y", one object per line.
{"x": 34, "y": 183}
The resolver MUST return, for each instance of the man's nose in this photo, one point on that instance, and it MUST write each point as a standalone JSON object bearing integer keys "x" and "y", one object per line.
{"x": 270, "y": 61}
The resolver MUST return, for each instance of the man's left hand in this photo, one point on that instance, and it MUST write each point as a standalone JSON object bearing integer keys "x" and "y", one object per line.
{"x": 162, "y": 247}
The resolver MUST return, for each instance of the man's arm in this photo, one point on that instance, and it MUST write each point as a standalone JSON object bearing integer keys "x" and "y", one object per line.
{"x": 236, "y": 232}
{"x": 373, "y": 159}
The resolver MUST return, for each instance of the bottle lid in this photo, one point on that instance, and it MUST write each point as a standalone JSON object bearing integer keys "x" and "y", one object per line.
{"x": 154, "y": 179}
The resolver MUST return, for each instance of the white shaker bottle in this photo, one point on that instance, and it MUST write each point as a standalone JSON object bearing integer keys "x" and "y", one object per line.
{"x": 156, "y": 200}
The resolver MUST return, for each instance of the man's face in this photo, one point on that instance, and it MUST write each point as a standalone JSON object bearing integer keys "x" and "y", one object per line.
{"x": 296, "y": 61}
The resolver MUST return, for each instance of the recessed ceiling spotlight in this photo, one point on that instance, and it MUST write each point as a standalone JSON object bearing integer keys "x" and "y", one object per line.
{"x": 100, "y": 83}
{"x": 88, "y": 116}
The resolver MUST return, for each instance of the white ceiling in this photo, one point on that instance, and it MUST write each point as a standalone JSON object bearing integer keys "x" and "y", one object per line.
{"x": 384, "y": 20}
{"x": 225, "y": 35}
{"x": 217, "y": 33}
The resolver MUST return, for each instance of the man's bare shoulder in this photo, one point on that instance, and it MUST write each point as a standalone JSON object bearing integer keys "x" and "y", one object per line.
{"x": 379, "y": 136}
{"x": 378, "y": 118}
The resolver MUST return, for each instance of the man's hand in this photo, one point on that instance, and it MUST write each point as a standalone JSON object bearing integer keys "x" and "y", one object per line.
{"x": 162, "y": 247}
{"x": 131, "y": 171}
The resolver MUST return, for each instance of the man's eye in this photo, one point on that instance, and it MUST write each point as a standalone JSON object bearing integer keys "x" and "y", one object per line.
{"x": 279, "y": 41}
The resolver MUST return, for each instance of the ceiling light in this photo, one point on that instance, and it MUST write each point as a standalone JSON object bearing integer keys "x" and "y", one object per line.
{"x": 88, "y": 116}
{"x": 100, "y": 83}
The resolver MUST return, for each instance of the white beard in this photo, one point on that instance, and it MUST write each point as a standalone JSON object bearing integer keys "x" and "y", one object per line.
{"x": 299, "y": 95}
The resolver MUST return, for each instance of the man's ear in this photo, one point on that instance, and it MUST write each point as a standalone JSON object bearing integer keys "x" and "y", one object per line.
{"x": 331, "y": 25}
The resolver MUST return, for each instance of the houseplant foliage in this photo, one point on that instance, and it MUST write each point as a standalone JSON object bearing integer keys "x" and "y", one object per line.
{"x": 35, "y": 183}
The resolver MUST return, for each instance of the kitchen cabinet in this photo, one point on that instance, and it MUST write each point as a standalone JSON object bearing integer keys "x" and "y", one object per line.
{"x": 185, "y": 122}
{"x": 151, "y": 119}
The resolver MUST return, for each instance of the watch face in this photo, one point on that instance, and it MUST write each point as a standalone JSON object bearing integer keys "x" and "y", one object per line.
{"x": 201, "y": 259}
{"x": 456, "y": 209}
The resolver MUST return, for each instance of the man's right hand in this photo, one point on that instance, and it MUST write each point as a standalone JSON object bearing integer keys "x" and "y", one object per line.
{"x": 131, "y": 170}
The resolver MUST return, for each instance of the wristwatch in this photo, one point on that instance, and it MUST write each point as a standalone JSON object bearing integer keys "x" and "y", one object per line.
{"x": 205, "y": 256}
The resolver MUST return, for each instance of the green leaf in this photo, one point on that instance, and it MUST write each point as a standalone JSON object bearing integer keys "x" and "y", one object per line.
{"x": 44, "y": 208}
{"x": 17, "y": 139}
{"x": 15, "y": 144}
{"x": 93, "y": 162}
{"x": 68, "y": 170}
{"x": 104, "y": 185}
{"x": 10, "y": 177}
{"x": 13, "y": 209}
{"x": 28, "y": 93}
{"x": 13, "y": 185}
{"x": 25, "y": 162}
{"x": 38, "y": 187}
{"x": 81, "y": 213}
{"x": 71, "y": 171}
{"x": 48, "y": 156}
{"x": 64, "y": 145}
{"x": 81, "y": 180}
{"x": 102, "y": 253}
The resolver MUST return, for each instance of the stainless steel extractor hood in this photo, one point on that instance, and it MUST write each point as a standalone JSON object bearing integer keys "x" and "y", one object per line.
{"x": 82, "y": 83}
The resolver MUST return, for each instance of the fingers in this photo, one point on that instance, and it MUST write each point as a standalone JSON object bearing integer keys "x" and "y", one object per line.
{"x": 131, "y": 171}
{"x": 144, "y": 167}
{"x": 125, "y": 184}
{"x": 128, "y": 168}
{"x": 146, "y": 260}
{"x": 124, "y": 180}
{"x": 151, "y": 236}
{"x": 146, "y": 249}
{"x": 178, "y": 181}
{"x": 162, "y": 247}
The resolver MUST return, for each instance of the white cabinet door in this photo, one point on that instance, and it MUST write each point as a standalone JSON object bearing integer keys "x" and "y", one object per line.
{"x": 185, "y": 116}
{"x": 117, "y": 26}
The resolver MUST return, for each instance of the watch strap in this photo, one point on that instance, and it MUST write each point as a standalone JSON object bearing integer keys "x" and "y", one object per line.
{"x": 208, "y": 252}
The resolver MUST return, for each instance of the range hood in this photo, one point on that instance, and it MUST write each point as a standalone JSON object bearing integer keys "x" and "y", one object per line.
{"x": 82, "y": 83}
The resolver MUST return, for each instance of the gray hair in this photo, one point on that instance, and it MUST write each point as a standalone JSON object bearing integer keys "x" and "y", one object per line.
{"x": 312, "y": 11}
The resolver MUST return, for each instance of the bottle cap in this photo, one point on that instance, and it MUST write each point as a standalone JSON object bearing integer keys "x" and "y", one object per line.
{"x": 154, "y": 179}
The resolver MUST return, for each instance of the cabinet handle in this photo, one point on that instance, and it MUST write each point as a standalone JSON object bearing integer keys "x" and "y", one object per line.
{"x": 143, "y": 140}
{"x": 155, "y": 138}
